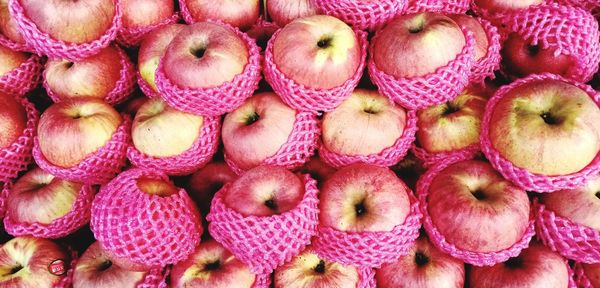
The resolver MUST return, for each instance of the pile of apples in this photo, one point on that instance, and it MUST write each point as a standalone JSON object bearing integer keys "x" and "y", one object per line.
{"x": 299, "y": 143}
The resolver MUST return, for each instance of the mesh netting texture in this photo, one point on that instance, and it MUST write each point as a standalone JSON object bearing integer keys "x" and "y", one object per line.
{"x": 3, "y": 197}
{"x": 67, "y": 279}
{"x": 430, "y": 159}
{"x": 363, "y": 15}
{"x": 131, "y": 37}
{"x": 486, "y": 66}
{"x": 16, "y": 157}
{"x": 24, "y": 78}
{"x": 581, "y": 280}
{"x": 15, "y": 46}
{"x": 440, "y": 6}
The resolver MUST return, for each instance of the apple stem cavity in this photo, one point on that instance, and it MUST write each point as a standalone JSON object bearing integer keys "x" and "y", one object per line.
{"x": 533, "y": 49}
{"x": 450, "y": 108}
{"x": 479, "y": 195}
{"x": 598, "y": 195}
{"x": 421, "y": 259}
{"x": 212, "y": 266}
{"x": 271, "y": 204}
{"x": 324, "y": 43}
{"x": 14, "y": 270}
{"x": 320, "y": 268}
{"x": 252, "y": 118}
{"x": 360, "y": 209}
{"x": 514, "y": 263}
{"x": 370, "y": 110}
{"x": 198, "y": 52}
{"x": 550, "y": 119}
{"x": 105, "y": 265}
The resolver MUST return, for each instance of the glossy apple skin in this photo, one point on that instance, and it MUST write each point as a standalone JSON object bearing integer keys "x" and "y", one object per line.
{"x": 317, "y": 169}
{"x": 13, "y": 120}
{"x": 503, "y": 5}
{"x": 283, "y": 12}
{"x": 453, "y": 125}
{"x": 424, "y": 266}
{"x": 77, "y": 22}
{"x": 581, "y": 205}
{"x": 481, "y": 38}
{"x": 398, "y": 52}
{"x": 70, "y": 131}
{"x": 204, "y": 183}
{"x": 152, "y": 48}
{"x": 365, "y": 123}
{"x": 382, "y": 195}
{"x": 8, "y": 25}
{"x": 592, "y": 272}
{"x": 199, "y": 270}
{"x": 476, "y": 209}
{"x": 141, "y": 13}
{"x": 10, "y": 60}
{"x": 239, "y": 13}
{"x": 297, "y": 54}
{"x": 540, "y": 267}
{"x": 161, "y": 131}
{"x": 34, "y": 255}
{"x": 249, "y": 143}
{"x": 205, "y": 55}
{"x": 536, "y": 125}
{"x": 301, "y": 272}
{"x": 95, "y": 76}
{"x": 94, "y": 269}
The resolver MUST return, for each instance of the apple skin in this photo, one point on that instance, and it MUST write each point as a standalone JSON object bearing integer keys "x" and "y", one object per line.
{"x": 156, "y": 187}
{"x": 204, "y": 183}
{"x": 239, "y": 13}
{"x": 453, "y": 125}
{"x": 95, "y": 76}
{"x": 592, "y": 272}
{"x": 364, "y": 115}
{"x": 363, "y": 198}
{"x": 317, "y": 169}
{"x": 320, "y": 51}
{"x": 70, "y": 131}
{"x": 481, "y": 38}
{"x": 308, "y": 270}
{"x": 152, "y": 48}
{"x": 76, "y": 22}
{"x": 581, "y": 205}
{"x": 537, "y": 124}
{"x": 503, "y": 5}
{"x": 10, "y": 60}
{"x": 95, "y": 269}
{"x": 8, "y": 25}
{"x": 404, "y": 54}
{"x": 425, "y": 266}
{"x": 13, "y": 120}
{"x": 266, "y": 190}
{"x": 33, "y": 256}
{"x": 246, "y": 130}
{"x": 204, "y": 55}
{"x": 161, "y": 131}
{"x": 537, "y": 266}
{"x": 283, "y": 12}
{"x": 476, "y": 209}
{"x": 211, "y": 266}
{"x": 142, "y": 13}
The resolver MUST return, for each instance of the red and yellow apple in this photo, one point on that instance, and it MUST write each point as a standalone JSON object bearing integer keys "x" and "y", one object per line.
{"x": 283, "y": 12}
{"x": 204, "y": 183}
{"x": 580, "y": 205}
{"x": 494, "y": 6}
{"x": 8, "y": 25}
{"x": 142, "y": 13}
{"x": 481, "y": 38}
{"x": 13, "y": 120}
{"x": 592, "y": 273}
{"x": 10, "y": 60}
{"x": 317, "y": 169}
{"x": 239, "y": 13}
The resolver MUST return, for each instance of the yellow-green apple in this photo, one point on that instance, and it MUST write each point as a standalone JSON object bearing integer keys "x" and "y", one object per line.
{"x": 538, "y": 124}
{"x": 329, "y": 49}
{"x": 39, "y": 197}
{"x": 152, "y": 48}
{"x": 13, "y": 120}
{"x": 211, "y": 266}
{"x": 592, "y": 273}
{"x": 95, "y": 269}
{"x": 283, "y": 12}
{"x": 476, "y": 209}
{"x": 308, "y": 270}
{"x": 257, "y": 129}
{"x": 481, "y": 38}
{"x": 536, "y": 266}
{"x": 363, "y": 198}
{"x": 239, "y": 13}
{"x": 417, "y": 44}
{"x": 142, "y": 13}
{"x": 77, "y": 22}
{"x": 453, "y": 125}
{"x": 424, "y": 266}
{"x": 72, "y": 130}
{"x": 365, "y": 123}
{"x": 161, "y": 131}
{"x": 10, "y": 60}
{"x": 204, "y": 183}
{"x": 266, "y": 190}
{"x": 8, "y": 25}
{"x": 204, "y": 55}
{"x": 318, "y": 170}
{"x": 28, "y": 262}
{"x": 505, "y": 5}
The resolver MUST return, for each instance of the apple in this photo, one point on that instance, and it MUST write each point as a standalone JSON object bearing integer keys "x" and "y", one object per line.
{"x": 133, "y": 104}
{"x": 308, "y": 270}
{"x": 283, "y": 12}
{"x": 161, "y": 131}
{"x": 239, "y": 13}
{"x": 592, "y": 273}
{"x": 538, "y": 124}
{"x": 475, "y": 209}
{"x": 494, "y": 6}
{"x": 365, "y": 123}
{"x": 8, "y": 25}
{"x": 211, "y": 265}
{"x": 152, "y": 48}
{"x": 11, "y": 60}
{"x": 320, "y": 52}
{"x": 28, "y": 262}
{"x": 417, "y": 44}
{"x": 363, "y": 198}
{"x": 537, "y": 266}
{"x": 266, "y": 190}
{"x": 257, "y": 129}
{"x": 453, "y": 125}
{"x": 409, "y": 170}
{"x": 204, "y": 55}
{"x": 80, "y": 21}
{"x": 70, "y": 131}
{"x": 142, "y": 13}
{"x": 423, "y": 266}
{"x": 317, "y": 169}
{"x": 207, "y": 181}
{"x": 95, "y": 269}
{"x": 481, "y": 38}
{"x": 13, "y": 120}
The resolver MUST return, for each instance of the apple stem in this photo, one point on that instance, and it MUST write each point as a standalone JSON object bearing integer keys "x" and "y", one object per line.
{"x": 421, "y": 259}
{"x": 252, "y": 118}
{"x": 320, "y": 268}
{"x": 14, "y": 270}
{"x": 212, "y": 266}
{"x": 324, "y": 42}
{"x": 105, "y": 265}
{"x": 271, "y": 204}
{"x": 360, "y": 209}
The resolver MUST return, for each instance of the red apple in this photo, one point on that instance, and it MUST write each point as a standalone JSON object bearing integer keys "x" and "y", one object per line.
{"x": 152, "y": 48}
{"x": 481, "y": 38}
{"x": 537, "y": 125}
{"x": 141, "y": 13}
{"x": 239, "y": 13}
{"x": 8, "y": 25}
{"x": 72, "y": 130}
{"x": 319, "y": 51}
{"x": 318, "y": 170}
{"x": 503, "y": 5}
{"x": 409, "y": 170}
{"x": 592, "y": 272}
{"x": 283, "y": 12}
{"x": 204, "y": 183}
{"x": 10, "y": 60}
{"x": 13, "y": 120}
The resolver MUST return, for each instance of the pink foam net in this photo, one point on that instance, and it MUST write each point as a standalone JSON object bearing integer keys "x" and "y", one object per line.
{"x": 60, "y": 227}
{"x": 262, "y": 281}
{"x": 581, "y": 280}
{"x": 123, "y": 87}
{"x": 145, "y": 87}
{"x": 24, "y": 78}
{"x": 431, "y": 159}
{"x": 265, "y": 243}
{"x": 485, "y": 67}
{"x": 201, "y": 152}
{"x": 44, "y": 44}
{"x": 131, "y": 37}
{"x": 591, "y": 5}
{"x": 420, "y": 92}
{"x": 97, "y": 168}
{"x": 155, "y": 278}
{"x": 185, "y": 12}
{"x": 303, "y": 98}
{"x": 3, "y": 197}
{"x": 16, "y": 157}
{"x": 367, "y": 278}
{"x": 67, "y": 280}
{"x": 363, "y": 15}
{"x": 262, "y": 28}
{"x": 440, "y": 6}
{"x": 150, "y": 230}
{"x": 496, "y": 17}
{"x": 218, "y": 100}
{"x": 15, "y": 46}
{"x": 521, "y": 177}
